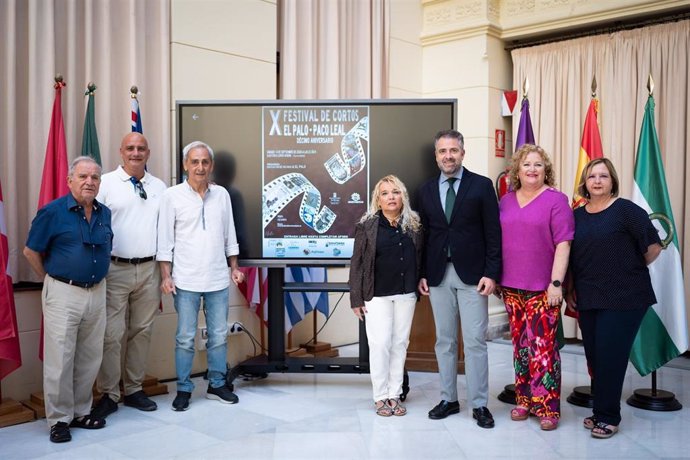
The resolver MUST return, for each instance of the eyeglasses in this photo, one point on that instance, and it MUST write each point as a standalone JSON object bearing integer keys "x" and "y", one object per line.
{"x": 138, "y": 187}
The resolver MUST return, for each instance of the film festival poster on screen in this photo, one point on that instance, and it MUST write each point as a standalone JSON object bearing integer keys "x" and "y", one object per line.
{"x": 315, "y": 179}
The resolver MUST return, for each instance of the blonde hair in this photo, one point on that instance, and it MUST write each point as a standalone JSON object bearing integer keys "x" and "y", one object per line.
{"x": 519, "y": 156}
{"x": 409, "y": 219}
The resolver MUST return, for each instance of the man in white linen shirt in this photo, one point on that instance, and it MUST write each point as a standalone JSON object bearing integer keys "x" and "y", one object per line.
{"x": 196, "y": 244}
{"x": 132, "y": 295}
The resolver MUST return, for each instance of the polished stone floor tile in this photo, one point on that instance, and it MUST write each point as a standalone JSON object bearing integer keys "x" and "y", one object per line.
{"x": 319, "y": 416}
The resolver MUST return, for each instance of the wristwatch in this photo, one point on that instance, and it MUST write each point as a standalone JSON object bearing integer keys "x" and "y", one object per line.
{"x": 556, "y": 283}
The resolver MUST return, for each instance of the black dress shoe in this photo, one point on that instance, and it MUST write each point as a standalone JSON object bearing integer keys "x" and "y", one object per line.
{"x": 139, "y": 400}
{"x": 483, "y": 417}
{"x": 104, "y": 407}
{"x": 444, "y": 409}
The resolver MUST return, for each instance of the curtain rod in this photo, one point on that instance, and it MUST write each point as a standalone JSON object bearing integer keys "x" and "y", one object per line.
{"x": 616, "y": 26}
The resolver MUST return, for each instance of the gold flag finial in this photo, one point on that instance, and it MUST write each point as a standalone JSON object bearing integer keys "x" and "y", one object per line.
{"x": 525, "y": 88}
{"x": 594, "y": 86}
{"x": 134, "y": 92}
{"x": 650, "y": 85}
{"x": 58, "y": 78}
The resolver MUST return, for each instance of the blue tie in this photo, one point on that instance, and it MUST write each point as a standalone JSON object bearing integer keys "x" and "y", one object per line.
{"x": 450, "y": 198}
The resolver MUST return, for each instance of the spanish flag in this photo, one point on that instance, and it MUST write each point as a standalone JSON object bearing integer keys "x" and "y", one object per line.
{"x": 590, "y": 147}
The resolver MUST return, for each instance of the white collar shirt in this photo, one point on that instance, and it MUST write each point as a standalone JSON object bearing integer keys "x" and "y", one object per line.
{"x": 134, "y": 219}
{"x": 197, "y": 235}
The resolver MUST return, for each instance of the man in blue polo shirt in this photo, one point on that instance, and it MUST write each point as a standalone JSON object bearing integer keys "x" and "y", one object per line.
{"x": 69, "y": 248}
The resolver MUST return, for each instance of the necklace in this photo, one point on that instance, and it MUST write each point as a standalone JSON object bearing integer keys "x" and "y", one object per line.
{"x": 394, "y": 221}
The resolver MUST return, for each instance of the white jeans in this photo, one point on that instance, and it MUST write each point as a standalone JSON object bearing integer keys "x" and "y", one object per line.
{"x": 388, "y": 323}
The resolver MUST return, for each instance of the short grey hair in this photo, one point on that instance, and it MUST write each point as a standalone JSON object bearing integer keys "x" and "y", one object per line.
{"x": 195, "y": 145}
{"x": 83, "y": 159}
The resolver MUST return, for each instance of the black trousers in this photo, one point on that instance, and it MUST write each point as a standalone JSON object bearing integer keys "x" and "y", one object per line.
{"x": 608, "y": 336}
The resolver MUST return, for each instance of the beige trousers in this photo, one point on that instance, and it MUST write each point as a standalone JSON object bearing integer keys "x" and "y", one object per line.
{"x": 133, "y": 301}
{"x": 74, "y": 325}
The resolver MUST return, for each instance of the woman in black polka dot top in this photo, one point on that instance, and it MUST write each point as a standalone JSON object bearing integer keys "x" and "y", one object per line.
{"x": 614, "y": 242}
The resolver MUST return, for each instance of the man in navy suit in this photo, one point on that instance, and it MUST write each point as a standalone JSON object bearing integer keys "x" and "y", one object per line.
{"x": 460, "y": 268}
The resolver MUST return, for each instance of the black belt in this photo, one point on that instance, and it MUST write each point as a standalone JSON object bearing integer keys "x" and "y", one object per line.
{"x": 133, "y": 261}
{"x": 448, "y": 259}
{"x": 73, "y": 283}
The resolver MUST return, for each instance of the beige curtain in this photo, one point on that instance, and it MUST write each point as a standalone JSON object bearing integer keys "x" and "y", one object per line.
{"x": 115, "y": 44}
{"x": 332, "y": 49}
{"x": 560, "y": 76}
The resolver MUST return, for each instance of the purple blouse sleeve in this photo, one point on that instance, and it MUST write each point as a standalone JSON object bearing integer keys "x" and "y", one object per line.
{"x": 562, "y": 220}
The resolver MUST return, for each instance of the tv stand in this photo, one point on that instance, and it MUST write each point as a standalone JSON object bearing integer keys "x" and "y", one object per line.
{"x": 276, "y": 360}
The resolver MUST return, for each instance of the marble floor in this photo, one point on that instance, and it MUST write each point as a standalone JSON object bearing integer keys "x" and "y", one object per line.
{"x": 317, "y": 416}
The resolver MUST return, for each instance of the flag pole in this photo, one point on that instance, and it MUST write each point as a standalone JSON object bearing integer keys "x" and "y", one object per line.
{"x": 652, "y": 398}
{"x": 525, "y": 87}
{"x": 508, "y": 394}
{"x": 582, "y": 395}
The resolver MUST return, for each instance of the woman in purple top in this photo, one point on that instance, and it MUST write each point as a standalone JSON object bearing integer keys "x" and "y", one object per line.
{"x": 538, "y": 226}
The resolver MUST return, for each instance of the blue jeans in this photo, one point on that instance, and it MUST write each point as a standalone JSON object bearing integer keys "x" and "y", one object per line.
{"x": 187, "y": 305}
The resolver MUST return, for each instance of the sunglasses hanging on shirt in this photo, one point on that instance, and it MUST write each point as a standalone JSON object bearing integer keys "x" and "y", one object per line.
{"x": 138, "y": 187}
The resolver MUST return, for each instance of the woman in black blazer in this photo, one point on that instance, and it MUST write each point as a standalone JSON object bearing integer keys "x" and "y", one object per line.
{"x": 384, "y": 271}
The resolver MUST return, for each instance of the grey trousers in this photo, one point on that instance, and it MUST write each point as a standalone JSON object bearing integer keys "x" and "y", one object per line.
{"x": 452, "y": 300}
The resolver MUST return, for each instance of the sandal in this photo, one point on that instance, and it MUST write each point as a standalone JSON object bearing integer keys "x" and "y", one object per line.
{"x": 589, "y": 422}
{"x": 603, "y": 431}
{"x": 548, "y": 423}
{"x": 89, "y": 422}
{"x": 383, "y": 409}
{"x": 60, "y": 432}
{"x": 519, "y": 413}
{"x": 397, "y": 408}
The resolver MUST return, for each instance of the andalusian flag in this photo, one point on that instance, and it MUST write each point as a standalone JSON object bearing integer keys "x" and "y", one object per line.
{"x": 590, "y": 147}
{"x": 89, "y": 141}
{"x": 663, "y": 334}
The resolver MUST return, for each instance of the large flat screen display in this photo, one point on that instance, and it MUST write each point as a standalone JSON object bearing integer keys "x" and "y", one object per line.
{"x": 300, "y": 173}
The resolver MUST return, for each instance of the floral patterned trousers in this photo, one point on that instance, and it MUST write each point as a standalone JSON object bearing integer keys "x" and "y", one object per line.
{"x": 533, "y": 327}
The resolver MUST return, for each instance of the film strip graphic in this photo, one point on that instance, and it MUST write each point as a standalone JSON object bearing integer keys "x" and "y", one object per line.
{"x": 353, "y": 160}
{"x": 282, "y": 190}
